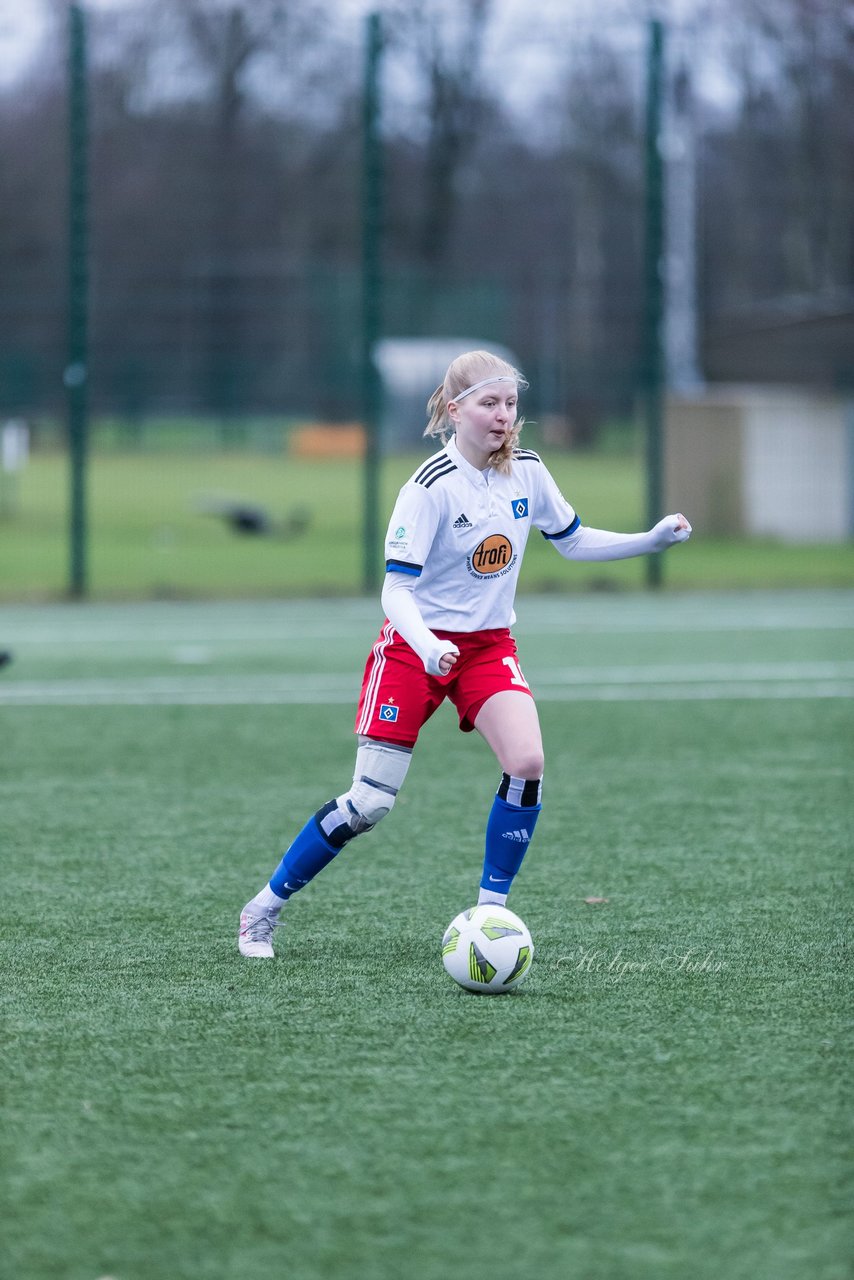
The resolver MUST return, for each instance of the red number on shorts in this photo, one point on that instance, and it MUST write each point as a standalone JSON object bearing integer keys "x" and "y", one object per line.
{"x": 517, "y": 678}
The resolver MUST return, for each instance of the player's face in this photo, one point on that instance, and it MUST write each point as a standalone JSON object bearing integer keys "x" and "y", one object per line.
{"x": 482, "y": 421}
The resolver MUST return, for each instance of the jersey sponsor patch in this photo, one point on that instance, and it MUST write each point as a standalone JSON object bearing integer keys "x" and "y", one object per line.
{"x": 399, "y": 541}
{"x": 520, "y": 508}
{"x": 492, "y": 557}
{"x": 388, "y": 713}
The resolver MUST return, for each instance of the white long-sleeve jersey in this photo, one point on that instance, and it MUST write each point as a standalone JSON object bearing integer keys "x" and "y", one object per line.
{"x": 457, "y": 536}
{"x": 461, "y": 533}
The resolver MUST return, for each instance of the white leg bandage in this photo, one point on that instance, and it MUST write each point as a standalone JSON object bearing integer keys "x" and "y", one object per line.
{"x": 380, "y": 772}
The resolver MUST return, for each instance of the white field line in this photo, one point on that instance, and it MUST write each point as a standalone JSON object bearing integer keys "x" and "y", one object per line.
{"x": 668, "y": 682}
{"x": 146, "y": 627}
{"x": 735, "y": 691}
{"x": 156, "y": 639}
{"x": 664, "y": 673}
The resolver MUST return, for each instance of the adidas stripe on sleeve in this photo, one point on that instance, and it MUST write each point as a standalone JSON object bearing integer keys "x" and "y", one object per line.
{"x": 414, "y": 520}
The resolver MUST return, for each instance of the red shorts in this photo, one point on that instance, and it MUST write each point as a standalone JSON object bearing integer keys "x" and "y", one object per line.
{"x": 398, "y": 697}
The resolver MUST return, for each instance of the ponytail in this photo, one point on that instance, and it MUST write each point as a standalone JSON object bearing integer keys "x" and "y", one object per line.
{"x": 437, "y": 423}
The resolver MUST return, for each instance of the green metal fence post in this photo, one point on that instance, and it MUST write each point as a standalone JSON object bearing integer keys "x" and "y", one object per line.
{"x": 653, "y": 346}
{"x": 76, "y": 371}
{"x": 371, "y": 295}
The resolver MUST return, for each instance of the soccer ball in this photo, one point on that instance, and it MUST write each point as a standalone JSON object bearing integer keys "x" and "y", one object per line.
{"x": 487, "y": 948}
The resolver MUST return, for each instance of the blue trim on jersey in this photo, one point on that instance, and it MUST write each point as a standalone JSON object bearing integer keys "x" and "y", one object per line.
{"x": 564, "y": 533}
{"x": 401, "y": 566}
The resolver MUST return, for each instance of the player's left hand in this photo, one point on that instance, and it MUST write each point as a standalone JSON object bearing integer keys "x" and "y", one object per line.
{"x": 674, "y": 528}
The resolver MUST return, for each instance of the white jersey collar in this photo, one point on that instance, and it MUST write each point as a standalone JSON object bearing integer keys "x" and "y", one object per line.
{"x": 477, "y": 477}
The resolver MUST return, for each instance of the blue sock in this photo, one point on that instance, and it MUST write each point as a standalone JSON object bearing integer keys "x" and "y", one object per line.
{"x": 309, "y": 854}
{"x": 509, "y": 831}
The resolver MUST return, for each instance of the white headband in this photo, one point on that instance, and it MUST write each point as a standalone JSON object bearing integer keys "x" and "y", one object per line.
{"x": 476, "y": 386}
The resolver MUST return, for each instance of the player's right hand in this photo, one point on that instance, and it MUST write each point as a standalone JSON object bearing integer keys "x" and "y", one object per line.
{"x": 448, "y": 659}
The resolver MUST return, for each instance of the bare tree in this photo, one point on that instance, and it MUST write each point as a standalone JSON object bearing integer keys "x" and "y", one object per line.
{"x": 791, "y": 139}
{"x": 225, "y": 179}
{"x": 445, "y": 39}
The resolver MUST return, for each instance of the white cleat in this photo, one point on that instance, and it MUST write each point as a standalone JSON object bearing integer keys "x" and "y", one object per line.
{"x": 256, "y": 935}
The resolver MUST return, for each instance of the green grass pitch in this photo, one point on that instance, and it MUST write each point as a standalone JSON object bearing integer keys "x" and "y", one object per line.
{"x": 663, "y": 1099}
{"x": 148, "y": 536}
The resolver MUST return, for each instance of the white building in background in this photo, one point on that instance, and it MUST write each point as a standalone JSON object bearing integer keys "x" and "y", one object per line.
{"x": 773, "y": 462}
{"x": 411, "y": 370}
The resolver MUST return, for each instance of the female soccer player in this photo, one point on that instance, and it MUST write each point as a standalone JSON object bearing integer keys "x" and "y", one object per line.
{"x": 453, "y": 552}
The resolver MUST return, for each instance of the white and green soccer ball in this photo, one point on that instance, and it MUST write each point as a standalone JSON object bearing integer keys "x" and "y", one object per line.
{"x": 488, "y": 949}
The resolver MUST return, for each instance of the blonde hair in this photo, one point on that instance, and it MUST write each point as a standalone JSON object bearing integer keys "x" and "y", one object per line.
{"x": 468, "y": 369}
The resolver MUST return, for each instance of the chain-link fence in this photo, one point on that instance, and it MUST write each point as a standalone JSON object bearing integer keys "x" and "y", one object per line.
{"x": 225, "y": 179}
{"x": 219, "y": 217}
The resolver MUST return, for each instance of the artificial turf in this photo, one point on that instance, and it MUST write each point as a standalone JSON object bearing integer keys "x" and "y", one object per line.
{"x": 664, "y": 1098}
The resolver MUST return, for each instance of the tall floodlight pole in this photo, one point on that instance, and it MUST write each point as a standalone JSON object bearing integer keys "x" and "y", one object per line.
{"x": 681, "y": 338}
{"x": 653, "y": 317}
{"x": 76, "y": 371}
{"x": 371, "y": 326}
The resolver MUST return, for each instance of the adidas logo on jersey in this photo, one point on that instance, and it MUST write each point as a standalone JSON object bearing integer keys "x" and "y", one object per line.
{"x": 462, "y": 522}
{"x": 519, "y": 837}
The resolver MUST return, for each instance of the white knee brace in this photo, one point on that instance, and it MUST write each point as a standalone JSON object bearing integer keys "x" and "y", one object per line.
{"x": 379, "y": 775}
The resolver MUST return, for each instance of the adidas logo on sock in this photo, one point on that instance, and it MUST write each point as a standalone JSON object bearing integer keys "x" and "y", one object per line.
{"x": 520, "y": 837}
{"x": 462, "y": 522}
